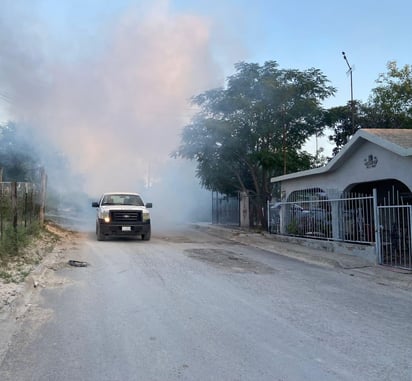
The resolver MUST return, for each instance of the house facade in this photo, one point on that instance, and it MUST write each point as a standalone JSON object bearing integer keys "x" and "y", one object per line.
{"x": 376, "y": 165}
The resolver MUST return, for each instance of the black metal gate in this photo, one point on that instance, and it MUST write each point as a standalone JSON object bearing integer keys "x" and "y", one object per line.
{"x": 395, "y": 222}
{"x": 225, "y": 209}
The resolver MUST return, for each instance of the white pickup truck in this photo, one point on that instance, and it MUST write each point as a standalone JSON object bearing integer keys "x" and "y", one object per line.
{"x": 122, "y": 214}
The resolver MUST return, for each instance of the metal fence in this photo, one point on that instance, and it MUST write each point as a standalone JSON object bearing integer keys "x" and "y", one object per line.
{"x": 348, "y": 217}
{"x": 225, "y": 209}
{"x": 20, "y": 206}
{"x": 311, "y": 214}
{"x": 395, "y": 228}
{"x": 351, "y": 218}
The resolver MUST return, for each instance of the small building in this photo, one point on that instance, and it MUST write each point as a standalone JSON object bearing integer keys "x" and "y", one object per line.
{"x": 364, "y": 196}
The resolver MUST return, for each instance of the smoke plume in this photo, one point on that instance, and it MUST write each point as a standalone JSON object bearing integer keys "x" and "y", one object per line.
{"x": 113, "y": 101}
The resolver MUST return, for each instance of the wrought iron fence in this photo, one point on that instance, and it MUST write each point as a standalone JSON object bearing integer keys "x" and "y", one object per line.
{"x": 351, "y": 217}
{"x": 310, "y": 214}
{"x": 395, "y": 230}
{"x": 225, "y": 209}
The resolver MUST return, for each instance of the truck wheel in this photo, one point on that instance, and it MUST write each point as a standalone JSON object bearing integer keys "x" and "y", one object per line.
{"x": 146, "y": 237}
{"x": 99, "y": 235}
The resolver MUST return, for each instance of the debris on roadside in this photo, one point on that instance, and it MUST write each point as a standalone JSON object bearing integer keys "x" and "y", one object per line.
{"x": 74, "y": 263}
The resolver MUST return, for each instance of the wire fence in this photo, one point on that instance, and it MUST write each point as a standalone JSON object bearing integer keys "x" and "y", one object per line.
{"x": 21, "y": 206}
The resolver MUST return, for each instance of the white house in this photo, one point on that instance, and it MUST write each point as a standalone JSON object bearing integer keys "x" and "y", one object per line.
{"x": 374, "y": 161}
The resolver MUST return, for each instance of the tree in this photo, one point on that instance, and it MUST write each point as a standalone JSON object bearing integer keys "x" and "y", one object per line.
{"x": 17, "y": 158}
{"x": 389, "y": 106}
{"x": 340, "y": 120}
{"x": 254, "y": 128}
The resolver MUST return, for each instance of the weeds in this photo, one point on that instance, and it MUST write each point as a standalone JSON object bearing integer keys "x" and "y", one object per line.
{"x": 13, "y": 261}
{"x": 14, "y": 240}
{"x": 6, "y": 276}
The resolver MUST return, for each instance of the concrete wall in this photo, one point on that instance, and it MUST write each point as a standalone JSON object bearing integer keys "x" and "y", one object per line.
{"x": 244, "y": 210}
{"x": 366, "y": 252}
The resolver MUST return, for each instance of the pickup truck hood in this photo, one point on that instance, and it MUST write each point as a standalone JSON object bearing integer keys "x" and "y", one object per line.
{"x": 123, "y": 207}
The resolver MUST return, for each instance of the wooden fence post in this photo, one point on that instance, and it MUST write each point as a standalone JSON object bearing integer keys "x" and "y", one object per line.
{"x": 1, "y": 203}
{"x": 14, "y": 203}
{"x": 43, "y": 185}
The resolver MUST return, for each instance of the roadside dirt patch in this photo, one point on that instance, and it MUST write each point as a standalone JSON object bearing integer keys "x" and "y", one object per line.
{"x": 229, "y": 260}
{"x": 176, "y": 239}
{"x": 47, "y": 250}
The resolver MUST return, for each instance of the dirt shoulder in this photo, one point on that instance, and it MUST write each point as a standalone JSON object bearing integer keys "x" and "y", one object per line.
{"x": 23, "y": 271}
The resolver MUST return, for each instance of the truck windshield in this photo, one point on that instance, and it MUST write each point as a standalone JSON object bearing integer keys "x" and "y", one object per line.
{"x": 122, "y": 199}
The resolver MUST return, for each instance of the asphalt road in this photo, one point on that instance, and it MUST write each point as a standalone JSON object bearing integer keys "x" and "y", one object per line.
{"x": 190, "y": 306}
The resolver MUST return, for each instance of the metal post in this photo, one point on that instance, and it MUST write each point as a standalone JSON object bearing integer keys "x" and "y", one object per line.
{"x": 410, "y": 243}
{"x": 377, "y": 226}
{"x": 351, "y": 92}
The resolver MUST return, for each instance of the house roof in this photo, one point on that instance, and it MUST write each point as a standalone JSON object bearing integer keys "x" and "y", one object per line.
{"x": 399, "y": 141}
{"x": 398, "y": 137}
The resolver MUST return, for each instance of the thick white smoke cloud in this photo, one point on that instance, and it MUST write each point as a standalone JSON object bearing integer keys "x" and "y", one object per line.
{"x": 111, "y": 103}
{"x": 118, "y": 110}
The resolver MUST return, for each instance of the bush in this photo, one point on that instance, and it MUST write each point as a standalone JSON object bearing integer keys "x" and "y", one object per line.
{"x": 14, "y": 240}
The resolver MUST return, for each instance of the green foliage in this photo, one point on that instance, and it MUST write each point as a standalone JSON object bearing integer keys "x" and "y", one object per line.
{"x": 14, "y": 265}
{"x": 389, "y": 106}
{"x": 293, "y": 227}
{"x": 391, "y": 101}
{"x": 339, "y": 119}
{"x": 255, "y": 128}
{"x": 17, "y": 157}
{"x": 247, "y": 132}
{"x": 13, "y": 240}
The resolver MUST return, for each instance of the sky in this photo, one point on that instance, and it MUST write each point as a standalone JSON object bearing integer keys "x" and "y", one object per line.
{"x": 108, "y": 82}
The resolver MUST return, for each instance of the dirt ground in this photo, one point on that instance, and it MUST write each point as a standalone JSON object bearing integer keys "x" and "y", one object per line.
{"x": 47, "y": 249}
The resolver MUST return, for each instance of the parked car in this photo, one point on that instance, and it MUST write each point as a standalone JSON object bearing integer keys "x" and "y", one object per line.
{"x": 292, "y": 212}
{"x": 122, "y": 214}
{"x": 319, "y": 214}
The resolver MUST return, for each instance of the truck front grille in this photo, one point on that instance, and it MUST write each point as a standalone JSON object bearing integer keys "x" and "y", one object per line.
{"x": 126, "y": 216}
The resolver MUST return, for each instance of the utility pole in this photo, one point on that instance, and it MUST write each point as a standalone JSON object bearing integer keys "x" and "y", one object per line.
{"x": 284, "y": 141}
{"x": 284, "y": 148}
{"x": 351, "y": 92}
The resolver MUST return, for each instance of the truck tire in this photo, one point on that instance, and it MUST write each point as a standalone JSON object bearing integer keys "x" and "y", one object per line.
{"x": 99, "y": 235}
{"x": 146, "y": 237}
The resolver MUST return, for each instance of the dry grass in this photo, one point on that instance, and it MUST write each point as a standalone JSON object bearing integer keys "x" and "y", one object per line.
{"x": 14, "y": 269}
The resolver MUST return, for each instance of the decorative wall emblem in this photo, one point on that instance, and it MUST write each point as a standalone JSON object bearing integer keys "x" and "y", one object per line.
{"x": 371, "y": 161}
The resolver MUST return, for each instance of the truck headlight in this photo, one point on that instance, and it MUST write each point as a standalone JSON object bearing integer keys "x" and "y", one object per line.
{"x": 105, "y": 215}
{"x": 146, "y": 216}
